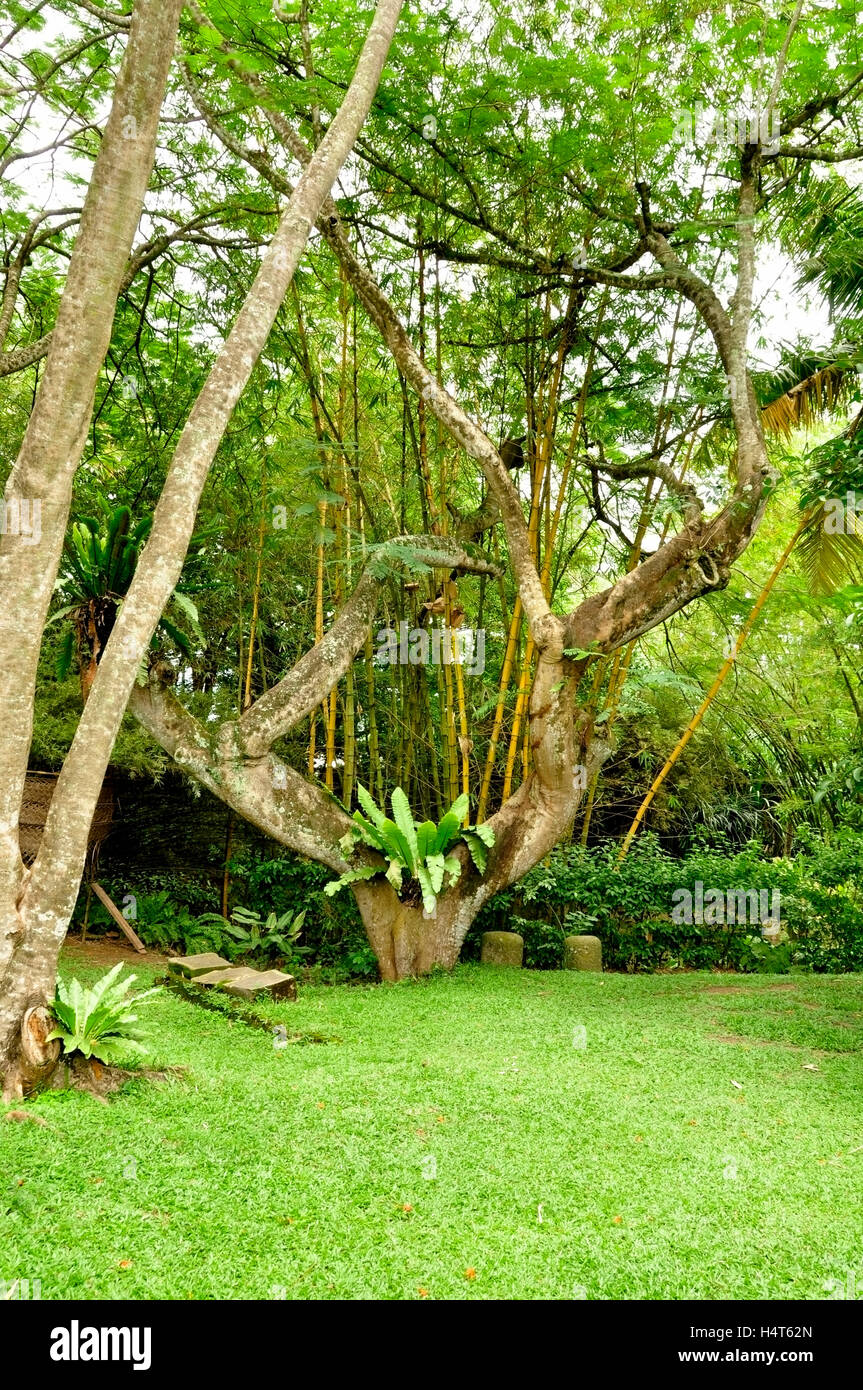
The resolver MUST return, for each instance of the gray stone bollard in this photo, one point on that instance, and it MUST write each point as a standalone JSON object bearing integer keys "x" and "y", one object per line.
{"x": 582, "y": 953}
{"x": 502, "y": 948}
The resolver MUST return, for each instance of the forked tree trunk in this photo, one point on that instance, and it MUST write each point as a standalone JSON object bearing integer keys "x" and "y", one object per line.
{"x": 408, "y": 941}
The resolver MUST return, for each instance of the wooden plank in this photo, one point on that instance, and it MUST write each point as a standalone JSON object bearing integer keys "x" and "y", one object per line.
{"x": 118, "y": 918}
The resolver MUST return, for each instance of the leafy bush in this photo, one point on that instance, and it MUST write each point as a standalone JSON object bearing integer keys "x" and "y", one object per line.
{"x": 100, "y": 1022}
{"x": 575, "y": 891}
{"x": 246, "y": 934}
{"x": 543, "y": 942}
{"x": 580, "y": 890}
{"x": 764, "y": 959}
{"x": 333, "y": 933}
{"x": 158, "y": 919}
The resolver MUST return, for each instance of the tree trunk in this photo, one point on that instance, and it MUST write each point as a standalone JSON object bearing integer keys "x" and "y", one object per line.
{"x": 408, "y": 941}
{"x": 404, "y": 938}
{"x": 44, "y": 471}
{"x": 35, "y": 908}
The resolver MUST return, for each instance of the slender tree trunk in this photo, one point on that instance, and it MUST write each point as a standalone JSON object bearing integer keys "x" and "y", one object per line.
{"x": 60, "y": 419}
{"x": 34, "y": 911}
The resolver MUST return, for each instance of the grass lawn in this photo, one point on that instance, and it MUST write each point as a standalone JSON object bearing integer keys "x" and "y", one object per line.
{"x": 704, "y": 1141}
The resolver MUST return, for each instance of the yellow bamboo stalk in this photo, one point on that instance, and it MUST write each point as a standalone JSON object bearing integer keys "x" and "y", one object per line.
{"x": 515, "y": 624}
{"x": 319, "y": 619}
{"x": 434, "y": 516}
{"x": 464, "y": 740}
{"x": 524, "y": 684}
{"x": 247, "y": 692}
{"x": 506, "y": 672}
{"x": 543, "y": 452}
{"x": 714, "y": 689}
{"x": 322, "y": 514}
{"x": 541, "y": 502}
{"x": 332, "y": 703}
{"x": 448, "y": 714}
{"x": 620, "y": 669}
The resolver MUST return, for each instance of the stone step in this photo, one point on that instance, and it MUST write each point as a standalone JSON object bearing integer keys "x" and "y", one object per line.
{"x": 193, "y": 966}
{"x": 246, "y": 983}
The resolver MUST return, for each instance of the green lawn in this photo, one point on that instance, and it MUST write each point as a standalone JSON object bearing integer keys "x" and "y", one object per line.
{"x": 698, "y": 1145}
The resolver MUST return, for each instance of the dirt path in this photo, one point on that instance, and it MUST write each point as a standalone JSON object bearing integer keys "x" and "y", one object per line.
{"x": 107, "y": 951}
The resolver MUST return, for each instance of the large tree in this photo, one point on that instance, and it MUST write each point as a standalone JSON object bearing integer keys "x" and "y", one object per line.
{"x": 649, "y": 255}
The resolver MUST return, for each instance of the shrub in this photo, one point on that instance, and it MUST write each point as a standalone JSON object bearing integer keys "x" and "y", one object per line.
{"x": 247, "y": 934}
{"x": 578, "y": 890}
{"x": 164, "y": 917}
{"x": 333, "y": 932}
{"x": 99, "y": 1022}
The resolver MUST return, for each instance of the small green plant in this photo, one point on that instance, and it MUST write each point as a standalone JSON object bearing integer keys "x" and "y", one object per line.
{"x": 164, "y": 924}
{"x": 101, "y": 555}
{"x": 252, "y": 936}
{"x": 419, "y": 847}
{"x": 100, "y": 1022}
{"x": 764, "y": 958}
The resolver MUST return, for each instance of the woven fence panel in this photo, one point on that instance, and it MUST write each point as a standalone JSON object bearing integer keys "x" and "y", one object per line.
{"x": 38, "y": 791}
{"x": 171, "y": 827}
{"x": 140, "y": 827}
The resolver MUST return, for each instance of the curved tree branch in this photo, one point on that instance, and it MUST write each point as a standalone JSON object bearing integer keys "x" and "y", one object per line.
{"x": 322, "y": 667}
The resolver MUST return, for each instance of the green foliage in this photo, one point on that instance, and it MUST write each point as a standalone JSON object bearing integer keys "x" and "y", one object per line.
{"x": 830, "y": 227}
{"x": 419, "y": 848}
{"x": 333, "y": 932}
{"x": 58, "y": 710}
{"x": 248, "y": 934}
{"x": 763, "y": 958}
{"x": 582, "y": 891}
{"x": 830, "y": 550}
{"x": 543, "y": 942}
{"x": 101, "y": 554}
{"x": 168, "y": 925}
{"x": 160, "y": 920}
{"x": 100, "y": 1022}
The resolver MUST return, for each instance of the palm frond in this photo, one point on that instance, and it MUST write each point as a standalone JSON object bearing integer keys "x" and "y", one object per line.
{"x": 822, "y": 392}
{"x": 829, "y": 560}
{"x": 829, "y": 227}
{"x": 807, "y": 385}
